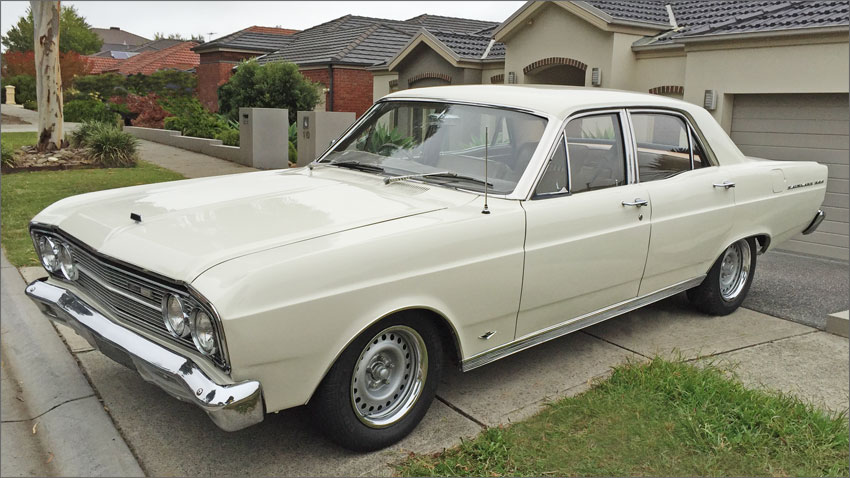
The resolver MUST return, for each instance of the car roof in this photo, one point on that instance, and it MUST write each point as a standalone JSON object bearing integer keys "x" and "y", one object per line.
{"x": 558, "y": 101}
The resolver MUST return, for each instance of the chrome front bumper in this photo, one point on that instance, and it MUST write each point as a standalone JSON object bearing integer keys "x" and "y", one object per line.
{"x": 819, "y": 217}
{"x": 232, "y": 406}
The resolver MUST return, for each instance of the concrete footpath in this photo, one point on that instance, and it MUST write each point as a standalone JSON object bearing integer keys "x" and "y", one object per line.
{"x": 53, "y": 423}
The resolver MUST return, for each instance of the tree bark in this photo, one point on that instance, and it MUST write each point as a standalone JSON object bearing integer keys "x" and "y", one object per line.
{"x": 48, "y": 81}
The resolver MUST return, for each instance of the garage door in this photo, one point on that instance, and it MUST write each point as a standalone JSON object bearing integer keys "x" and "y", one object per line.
{"x": 809, "y": 127}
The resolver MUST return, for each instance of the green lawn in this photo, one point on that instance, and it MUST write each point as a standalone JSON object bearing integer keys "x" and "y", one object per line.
{"x": 16, "y": 140}
{"x": 660, "y": 418}
{"x": 24, "y": 194}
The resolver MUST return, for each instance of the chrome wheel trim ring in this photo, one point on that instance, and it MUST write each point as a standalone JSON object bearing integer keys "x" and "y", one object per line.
{"x": 734, "y": 269}
{"x": 389, "y": 376}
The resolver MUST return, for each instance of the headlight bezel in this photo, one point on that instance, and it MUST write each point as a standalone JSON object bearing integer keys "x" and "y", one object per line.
{"x": 184, "y": 316}
{"x": 69, "y": 270}
{"x": 194, "y": 327}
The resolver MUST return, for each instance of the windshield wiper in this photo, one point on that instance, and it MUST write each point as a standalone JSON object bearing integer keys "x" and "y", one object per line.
{"x": 358, "y": 166}
{"x": 439, "y": 175}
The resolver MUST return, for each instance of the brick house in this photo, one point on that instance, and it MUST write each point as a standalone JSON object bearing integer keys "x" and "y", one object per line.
{"x": 345, "y": 55}
{"x": 219, "y": 56}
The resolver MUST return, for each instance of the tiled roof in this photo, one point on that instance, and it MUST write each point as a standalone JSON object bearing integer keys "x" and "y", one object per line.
{"x": 368, "y": 41}
{"x": 652, "y": 11}
{"x": 698, "y": 18}
{"x": 100, "y": 64}
{"x": 255, "y": 38}
{"x": 117, "y": 37}
{"x": 160, "y": 44}
{"x": 470, "y": 47}
{"x": 179, "y": 56}
{"x": 458, "y": 25}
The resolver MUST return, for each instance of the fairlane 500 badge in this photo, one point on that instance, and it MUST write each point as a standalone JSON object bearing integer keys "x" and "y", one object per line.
{"x": 804, "y": 185}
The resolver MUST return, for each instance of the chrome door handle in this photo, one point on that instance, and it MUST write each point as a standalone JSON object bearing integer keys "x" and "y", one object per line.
{"x": 725, "y": 185}
{"x": 638, "y": 202}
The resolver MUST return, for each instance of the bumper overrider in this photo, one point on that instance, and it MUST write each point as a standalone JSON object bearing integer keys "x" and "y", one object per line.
{"x": 232, "y": 406}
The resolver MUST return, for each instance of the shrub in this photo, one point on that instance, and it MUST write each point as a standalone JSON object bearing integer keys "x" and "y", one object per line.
{"x": 89, "y": 110}
{"x": 228, "y": 136}
{"x": 71, "y": 64}
{"x": 163, "y": 83}
{"x": 192, "y": 119}
{"x": 24, "y": 88}
{"x": 8, "y": 155}
{"x": 144, "y": 111}
{"x": 112, "y": 148}
{"x": 80, "y": 137}
{"x": 101, "y": 86}
{"x": 31, "y": 105}
{"x": 273, "y": 85}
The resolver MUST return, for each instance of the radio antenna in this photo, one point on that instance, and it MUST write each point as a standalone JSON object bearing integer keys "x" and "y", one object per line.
{"x": 486, "y": 210}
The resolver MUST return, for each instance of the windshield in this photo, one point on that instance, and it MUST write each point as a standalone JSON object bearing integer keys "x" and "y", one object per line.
{"x": 411, "y": 137}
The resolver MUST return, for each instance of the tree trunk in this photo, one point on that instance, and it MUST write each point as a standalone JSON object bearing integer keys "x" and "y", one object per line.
{"x": 48, "y": 81}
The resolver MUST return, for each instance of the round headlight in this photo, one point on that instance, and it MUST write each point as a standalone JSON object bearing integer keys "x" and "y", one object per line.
{"x": 174, "y": 315}
{"x": 203, "y": 332}
{"x": 66, "y": 262}
{"x": 48, "y": 251}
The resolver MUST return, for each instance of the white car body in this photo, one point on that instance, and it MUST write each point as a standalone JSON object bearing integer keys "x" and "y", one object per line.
{"x": 298, "y": 262}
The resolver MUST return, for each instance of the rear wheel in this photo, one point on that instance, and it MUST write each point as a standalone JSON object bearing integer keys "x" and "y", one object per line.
{"x": 382, "y": 384}
{"x": 728, "y": 280}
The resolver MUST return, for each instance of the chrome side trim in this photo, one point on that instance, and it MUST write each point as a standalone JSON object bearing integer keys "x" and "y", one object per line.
{"x": 575, "y": 324}
{"x": 231, "y": 405}
{"x": 819, "y": 217}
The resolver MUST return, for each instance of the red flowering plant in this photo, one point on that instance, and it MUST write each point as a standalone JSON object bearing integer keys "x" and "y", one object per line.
{"x": 145, "y": 111}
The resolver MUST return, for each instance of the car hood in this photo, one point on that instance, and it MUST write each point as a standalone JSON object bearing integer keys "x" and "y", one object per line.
{"x": 189, "y": 226}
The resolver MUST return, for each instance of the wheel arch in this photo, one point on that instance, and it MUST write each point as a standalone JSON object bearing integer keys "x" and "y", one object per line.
{"x": 446, "y": 328}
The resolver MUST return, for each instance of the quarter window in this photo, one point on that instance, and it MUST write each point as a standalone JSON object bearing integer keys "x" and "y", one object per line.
{"x": 662, "y": 145}
{"x": 595, "y": 152}
{"x": 554, "y": 180}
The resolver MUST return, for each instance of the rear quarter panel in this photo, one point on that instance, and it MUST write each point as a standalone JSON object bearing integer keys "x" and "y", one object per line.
{"x": 777, "y": 198}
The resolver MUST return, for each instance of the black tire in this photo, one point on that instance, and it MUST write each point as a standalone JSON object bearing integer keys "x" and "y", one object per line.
{"x": 708, "y": 296}
{"x": 332, "y": 406}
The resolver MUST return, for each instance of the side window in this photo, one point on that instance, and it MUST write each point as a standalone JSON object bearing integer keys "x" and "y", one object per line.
{"x": 554, "y": 180}
{"x": 595, "y": 152}
{"x": 662, "y": 145}
{"x": 700, "y": 159}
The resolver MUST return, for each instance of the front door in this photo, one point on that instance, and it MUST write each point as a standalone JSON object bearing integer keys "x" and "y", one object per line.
{"x": 587, "y": 228}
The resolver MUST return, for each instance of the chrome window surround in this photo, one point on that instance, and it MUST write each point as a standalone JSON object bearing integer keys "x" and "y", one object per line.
{"x": 628, "y": 142}
{"x": 164, "y": 284}
{"x": 527, "y": 181}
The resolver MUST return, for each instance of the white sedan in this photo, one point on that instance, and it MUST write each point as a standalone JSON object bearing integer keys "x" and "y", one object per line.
{"x": 450, "y": 225}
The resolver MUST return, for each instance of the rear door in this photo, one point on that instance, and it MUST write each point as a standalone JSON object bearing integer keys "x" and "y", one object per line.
{"x": 692, "y": 199}
{"x": 587, "y": 227}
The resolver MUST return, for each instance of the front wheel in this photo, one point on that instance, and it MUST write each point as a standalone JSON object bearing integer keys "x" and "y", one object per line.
{"x": 381, "y": 385}
{"x": 728, "y": 280}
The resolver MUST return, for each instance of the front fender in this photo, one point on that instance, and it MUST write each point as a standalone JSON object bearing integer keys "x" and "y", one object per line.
{"x": 288, "y": 312}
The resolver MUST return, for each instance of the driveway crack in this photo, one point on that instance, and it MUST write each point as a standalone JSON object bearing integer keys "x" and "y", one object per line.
{"x": 466, "y": 415}
{"x": 46, "y": 411}
{"x": 615, "y": 344}
{"x": 700, "y": 357}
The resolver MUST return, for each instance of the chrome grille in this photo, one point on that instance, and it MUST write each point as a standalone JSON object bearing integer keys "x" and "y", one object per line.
{"x": 128, "y": 294}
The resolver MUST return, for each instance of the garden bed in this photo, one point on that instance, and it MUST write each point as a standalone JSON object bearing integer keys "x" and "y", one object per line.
{"x": 27, "y": 158}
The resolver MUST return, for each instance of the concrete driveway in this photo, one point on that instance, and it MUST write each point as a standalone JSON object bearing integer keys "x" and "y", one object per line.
{"x": 174, "y": 438}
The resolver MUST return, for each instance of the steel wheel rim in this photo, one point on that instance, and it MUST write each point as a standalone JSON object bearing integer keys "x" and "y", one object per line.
{"x": 388, "y": 376}
{"x": 734, "y": 269}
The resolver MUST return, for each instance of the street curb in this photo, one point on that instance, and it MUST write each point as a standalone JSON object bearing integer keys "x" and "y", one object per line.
{"x": 68, "y": 419}
{"x": 838, "y": 324}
